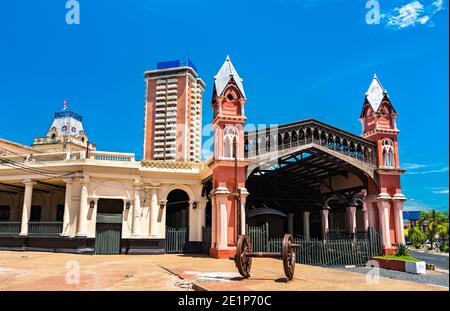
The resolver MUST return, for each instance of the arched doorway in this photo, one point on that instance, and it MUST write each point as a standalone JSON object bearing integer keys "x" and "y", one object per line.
{"x": 177, "y": 221}
{"x": 177, "y": 214}
{"x": 108, "y": 232}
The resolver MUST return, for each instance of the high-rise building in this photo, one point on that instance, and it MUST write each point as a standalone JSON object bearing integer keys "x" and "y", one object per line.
{"x": 173, "y": 112}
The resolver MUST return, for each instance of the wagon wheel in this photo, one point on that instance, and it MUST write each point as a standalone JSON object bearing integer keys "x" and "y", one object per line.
{"x": 243, "y": 263}
{"x": 288, "y": 255}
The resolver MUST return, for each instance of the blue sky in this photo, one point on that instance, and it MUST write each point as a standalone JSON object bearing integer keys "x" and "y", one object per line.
{"x": 299, "y": 59}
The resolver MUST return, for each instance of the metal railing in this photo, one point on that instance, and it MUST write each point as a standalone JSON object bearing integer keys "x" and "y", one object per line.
{"x": 176, "y": 239}
{"x": 306, "y": 132}
{"x": 9, "y": 227}
{"x": 252, "y": 153}
{"x": 69, "y": 156}
{"x": 112, "y": 156}
{"x": 45, "y": 228}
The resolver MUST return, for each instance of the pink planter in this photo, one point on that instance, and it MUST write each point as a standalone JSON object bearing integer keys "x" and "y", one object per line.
{"x": 418, "y": 267}
{"x": 397, "y": 265}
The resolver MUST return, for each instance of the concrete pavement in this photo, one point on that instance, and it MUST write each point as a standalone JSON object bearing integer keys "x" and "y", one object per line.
{"x": 49, "y": 271}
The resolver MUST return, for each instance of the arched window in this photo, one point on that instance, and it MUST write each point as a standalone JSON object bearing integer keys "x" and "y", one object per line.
{"x": 230, "y": 134}
{"x": 388, "y": 152}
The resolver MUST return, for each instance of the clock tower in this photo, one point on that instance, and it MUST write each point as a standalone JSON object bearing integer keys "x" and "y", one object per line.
{"x": 379, "y": 124}
{"x": 228, "y": 165}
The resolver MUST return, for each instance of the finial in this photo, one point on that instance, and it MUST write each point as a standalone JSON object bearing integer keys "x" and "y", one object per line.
{"x": 375, "y": 76}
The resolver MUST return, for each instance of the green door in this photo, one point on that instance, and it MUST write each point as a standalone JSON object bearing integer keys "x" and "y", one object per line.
{"x": 108, "y": 234}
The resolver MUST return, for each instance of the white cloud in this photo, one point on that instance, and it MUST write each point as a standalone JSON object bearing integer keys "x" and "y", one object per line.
{"x": 440, "y": 190}
{"x": 438, "y": 5}
{"x": 412, "y": 14}
{"x": 413, "y": 166}
{"x": 407, "y": 15}
{"x": 414, "y": 205}
{"x": 438, "y": 170}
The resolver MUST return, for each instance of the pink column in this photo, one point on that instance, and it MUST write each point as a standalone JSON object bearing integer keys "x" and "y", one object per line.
{"x": 398, "y": 215}
{"x": 366, "y": 216}
{"x": 383, "y": 211}
{"x": 351, "y": 216}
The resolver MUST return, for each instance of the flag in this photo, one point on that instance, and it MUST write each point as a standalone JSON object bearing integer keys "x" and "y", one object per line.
{"x": 65, "y": 105}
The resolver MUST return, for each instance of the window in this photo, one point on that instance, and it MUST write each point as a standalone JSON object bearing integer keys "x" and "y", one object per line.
{"x": 4, "y": 213}
{"x": 230, "y": 134}
{"x": 53, "y": 136}
{"x": 35, "y": 213}
{"x": 60, "y": 212}
{"x": 388, "y": 152}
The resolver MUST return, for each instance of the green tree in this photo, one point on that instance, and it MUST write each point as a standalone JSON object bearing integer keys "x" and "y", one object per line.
{"x": 416, "y": 235}
{"x": 442, "y": 230}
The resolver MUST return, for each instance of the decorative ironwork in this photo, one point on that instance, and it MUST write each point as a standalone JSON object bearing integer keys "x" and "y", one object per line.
{"x": 302, "y": 133}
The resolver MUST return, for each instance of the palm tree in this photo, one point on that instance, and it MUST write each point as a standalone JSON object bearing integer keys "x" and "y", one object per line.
{"x": 416, "y": 235}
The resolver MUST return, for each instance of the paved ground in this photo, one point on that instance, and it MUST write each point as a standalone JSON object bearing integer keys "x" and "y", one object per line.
{"x": 439, "y": 260}
{"x": 48, "y": 271}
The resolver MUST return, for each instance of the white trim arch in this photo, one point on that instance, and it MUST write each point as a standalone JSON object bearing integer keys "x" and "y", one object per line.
{"x": 388, "y": 152}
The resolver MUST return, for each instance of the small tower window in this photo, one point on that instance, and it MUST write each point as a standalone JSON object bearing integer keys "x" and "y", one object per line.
{"x": 230, "y": 134}
{"x": 74, "y": 129}
{"x": 388, "y": 152}
{"x": 64, "y": 128}
{"x": 230, "y": 97}
{"x": 53, "y": 137}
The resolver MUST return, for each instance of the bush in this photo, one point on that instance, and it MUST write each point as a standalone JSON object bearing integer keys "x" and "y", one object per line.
{"x": 417, "y": 245}
{"x": 402, "y": 250}
{"x": 444, "y": 247}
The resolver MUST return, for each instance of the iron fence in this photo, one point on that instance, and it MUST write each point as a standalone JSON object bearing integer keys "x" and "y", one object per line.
{"x": 325, "y": 253}
{"x": 176, "y": 240}
{"x": 9, "y": 228}
{"x": 47, "y": 229}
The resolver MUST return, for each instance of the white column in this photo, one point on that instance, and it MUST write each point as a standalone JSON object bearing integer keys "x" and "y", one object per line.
{"x": 136, "y": 217}
{"x": 291, "y": 223}
{"x": 154, "y": 209}
{"x": 84, "y": 207}
{"x": 26, "y": 209}
{"x": 244, "y": 194}
{"x": 67, "y": 206}
{"x": 383, "y": 211}
{"x": 351, "y": 216}
{"x": 325, "y": 227}
{"x": 306, "y": 225}
{"x": 398, "y": 215}
{"x": 223, "y": 241}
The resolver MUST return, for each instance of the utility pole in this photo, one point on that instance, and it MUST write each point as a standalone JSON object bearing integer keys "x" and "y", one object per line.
{"x": 237, "y": 198}
{"x": 433, "y": 228}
